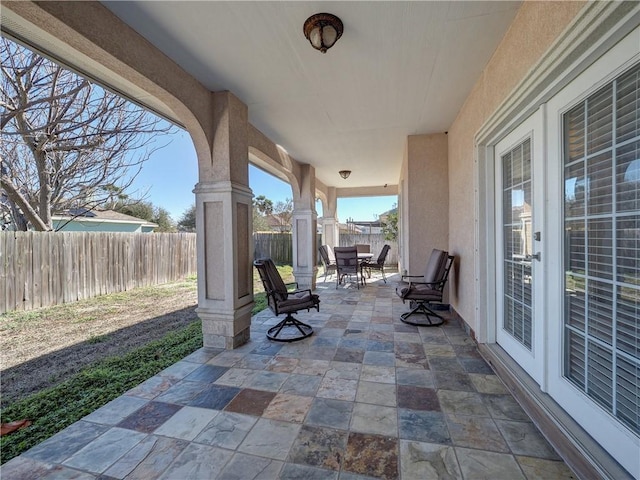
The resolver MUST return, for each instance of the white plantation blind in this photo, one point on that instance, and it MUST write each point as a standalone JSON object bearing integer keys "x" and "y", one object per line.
{"x": 517, "y": 237}
{"x": 602, "y": 247}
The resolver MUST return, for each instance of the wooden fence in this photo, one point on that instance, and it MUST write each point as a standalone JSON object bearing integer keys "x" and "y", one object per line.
{"x": 274, "y": 245}
{"x": 278, "y": 246}
{"x": 40, "y": 269}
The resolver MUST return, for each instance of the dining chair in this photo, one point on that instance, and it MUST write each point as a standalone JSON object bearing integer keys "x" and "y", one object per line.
{"x": 329, "y": 266}
{"x": 378, "y": 264}
{"x": 346, "y": 263}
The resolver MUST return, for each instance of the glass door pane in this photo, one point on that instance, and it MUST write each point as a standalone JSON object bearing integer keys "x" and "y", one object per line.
{"x": 602, "y": 247}
{"x": 517, "y": 241}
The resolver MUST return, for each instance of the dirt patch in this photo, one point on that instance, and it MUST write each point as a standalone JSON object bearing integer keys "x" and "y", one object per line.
{"x": 44, "y": 347}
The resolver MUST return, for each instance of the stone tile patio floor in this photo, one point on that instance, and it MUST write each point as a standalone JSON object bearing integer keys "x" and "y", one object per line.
{"x": 366, "y": 396}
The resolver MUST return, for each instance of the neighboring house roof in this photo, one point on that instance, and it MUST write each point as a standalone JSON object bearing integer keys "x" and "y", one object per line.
{"x": 278, "y": 221}
{"x": 102, "y": 216}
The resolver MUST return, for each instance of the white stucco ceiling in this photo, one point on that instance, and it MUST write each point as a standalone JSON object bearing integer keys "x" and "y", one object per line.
{"x": 400, "y": 68}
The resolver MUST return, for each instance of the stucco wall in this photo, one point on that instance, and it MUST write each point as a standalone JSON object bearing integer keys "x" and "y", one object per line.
{"x": 403, "y": 238}
{"x": 427, "y": 194}
{"x": 532, "y": 32}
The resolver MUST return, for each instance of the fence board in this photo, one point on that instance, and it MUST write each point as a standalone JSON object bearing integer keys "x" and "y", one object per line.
{"x": 39, "y": 269}
{"x": 57, "y": 280}
{"x": 36, "y": 272}
{"x": 90, "y": 289}
{"x": 7, "y": 252}
{"x": 21, "y": 271}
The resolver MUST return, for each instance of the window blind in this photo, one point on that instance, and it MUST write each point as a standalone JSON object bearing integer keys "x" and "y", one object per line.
{"x": 517, "y": 238}
{"x": 602, "y": 247}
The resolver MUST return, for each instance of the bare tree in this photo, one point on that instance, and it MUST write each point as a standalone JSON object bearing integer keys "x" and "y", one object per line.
{"x": 66, "y": 143}
{"x": 283, "y": 211}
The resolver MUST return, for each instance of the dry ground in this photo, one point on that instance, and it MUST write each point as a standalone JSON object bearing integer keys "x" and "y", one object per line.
{"x": 43, "y": 347}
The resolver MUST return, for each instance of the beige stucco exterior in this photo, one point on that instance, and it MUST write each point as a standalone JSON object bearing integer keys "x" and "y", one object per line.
{"x": 440, "y": 192}
{"x": 425, "y": 200}
{"x": 534, "y": 29}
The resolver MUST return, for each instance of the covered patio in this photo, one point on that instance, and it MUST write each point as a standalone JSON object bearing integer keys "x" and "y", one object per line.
{"x": 510, "y": 132}
{"x": 365, "y": 397}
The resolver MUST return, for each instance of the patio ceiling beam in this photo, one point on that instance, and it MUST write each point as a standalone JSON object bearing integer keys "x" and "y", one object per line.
{"x": 378, "y": 191}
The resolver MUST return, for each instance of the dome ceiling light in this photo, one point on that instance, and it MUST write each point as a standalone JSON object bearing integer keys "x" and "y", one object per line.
{"x": 322, "y": 30}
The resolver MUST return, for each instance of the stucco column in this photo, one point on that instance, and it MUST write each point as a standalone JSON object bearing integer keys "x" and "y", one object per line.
{"x": 223, "y": 223}
{"x": 305, "y": 220}
{"x": 329, "y": 221}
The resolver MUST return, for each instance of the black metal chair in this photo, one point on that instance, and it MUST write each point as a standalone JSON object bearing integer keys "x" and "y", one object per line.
{"x": 425, "y": 291}
{"x": 281, "y": 300}
{"x": 363, "y": 248}
{"x": 369, "y": 265}
{"x": 346, "y": 263}
{"x": 329, "y": 265}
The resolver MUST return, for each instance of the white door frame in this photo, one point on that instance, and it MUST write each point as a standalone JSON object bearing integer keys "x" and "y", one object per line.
{"x": 601, "y": 425}
{"x": 531, "y": 360}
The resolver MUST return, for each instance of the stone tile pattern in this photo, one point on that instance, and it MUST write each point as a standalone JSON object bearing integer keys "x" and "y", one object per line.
{"x": 366, "y": 396}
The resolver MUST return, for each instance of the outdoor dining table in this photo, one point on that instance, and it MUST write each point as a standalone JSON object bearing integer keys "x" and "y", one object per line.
{"x": 361, "y": 258}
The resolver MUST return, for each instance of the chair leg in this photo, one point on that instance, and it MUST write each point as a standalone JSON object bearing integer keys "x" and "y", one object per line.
{"x": 422, "y": 309}
{"x": 292, "y": 324}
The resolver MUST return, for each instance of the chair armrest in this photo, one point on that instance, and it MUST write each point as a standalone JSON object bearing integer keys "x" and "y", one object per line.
{"x": 415, "y": 282}
{"x": 304, "y": 290}
{"x": 412, "y": 276}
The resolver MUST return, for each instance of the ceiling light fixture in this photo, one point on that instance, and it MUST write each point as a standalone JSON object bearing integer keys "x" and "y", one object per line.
{"x": 322, "y": 30}
{"x": 345, "y": 173}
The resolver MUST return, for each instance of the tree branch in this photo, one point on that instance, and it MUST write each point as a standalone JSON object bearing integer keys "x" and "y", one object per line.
{"x": 16, "y": 197}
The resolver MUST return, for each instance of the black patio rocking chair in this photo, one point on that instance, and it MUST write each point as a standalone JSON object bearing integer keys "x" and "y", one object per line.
{"x": 281, "y": 300}
{"x": 425, "y": 291}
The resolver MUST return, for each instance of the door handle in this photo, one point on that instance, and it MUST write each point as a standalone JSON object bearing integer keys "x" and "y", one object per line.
{"x": 537, "y": 256}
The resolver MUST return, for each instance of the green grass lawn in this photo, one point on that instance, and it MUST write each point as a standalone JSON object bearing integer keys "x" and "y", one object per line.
{"x": 55, "y": 408}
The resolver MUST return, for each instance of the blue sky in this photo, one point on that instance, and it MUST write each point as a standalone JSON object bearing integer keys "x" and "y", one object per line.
{"x": 169, "y": 176}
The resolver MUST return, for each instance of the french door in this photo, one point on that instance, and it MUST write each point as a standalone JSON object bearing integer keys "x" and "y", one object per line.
{"x": 594, "y": 370}
{"x": 566, "y": 192}
{"x": 519, "y": 324}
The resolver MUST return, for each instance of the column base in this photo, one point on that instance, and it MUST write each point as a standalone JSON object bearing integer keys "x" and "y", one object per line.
{"x": 228, "y": 343}
{"x": 226, "y": 330}
{"x": 306, "y": 279}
